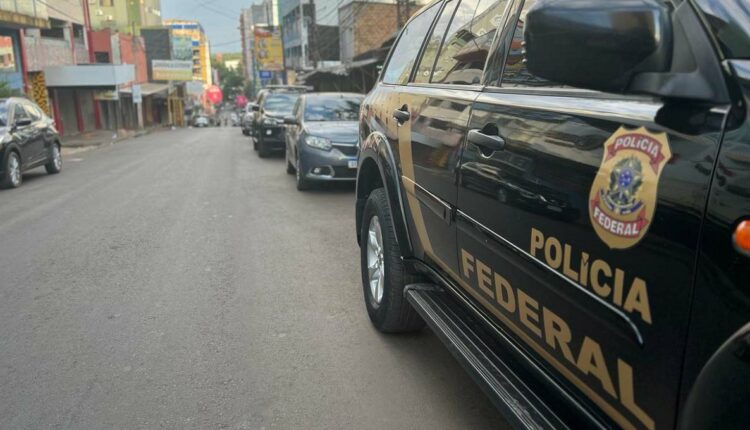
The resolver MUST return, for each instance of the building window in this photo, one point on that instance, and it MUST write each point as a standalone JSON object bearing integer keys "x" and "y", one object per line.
{"x": 56, "y": 29}
{"x": 107, "y": 3}
{"x": 102, "y": 57}
{"x": 78, "y": 33}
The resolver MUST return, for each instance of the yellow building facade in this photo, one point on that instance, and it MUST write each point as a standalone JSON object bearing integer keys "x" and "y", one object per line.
{"x": 201, "y": 49}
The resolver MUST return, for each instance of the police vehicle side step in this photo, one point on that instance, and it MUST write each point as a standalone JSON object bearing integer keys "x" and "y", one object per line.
{"x": 520, "y": 406}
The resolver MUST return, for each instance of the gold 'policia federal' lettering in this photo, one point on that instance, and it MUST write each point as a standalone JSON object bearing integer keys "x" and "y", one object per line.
{"x": 608, "y": 282}
{"x": 580, "y": 352}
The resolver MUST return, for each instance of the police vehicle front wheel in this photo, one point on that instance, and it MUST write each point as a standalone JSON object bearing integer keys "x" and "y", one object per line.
{"x": 383, "y": 273}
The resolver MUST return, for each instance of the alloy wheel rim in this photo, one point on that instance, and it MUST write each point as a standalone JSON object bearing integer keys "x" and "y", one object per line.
{"x": 56, "y": 158}
{"x": 296, "y": 170}
{"x": 14, "y": 170}
{"x": 375, "y": 260}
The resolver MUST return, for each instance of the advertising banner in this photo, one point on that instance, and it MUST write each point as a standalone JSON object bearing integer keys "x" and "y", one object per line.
{"x": 172, "y": 70}
{"x": 182, "y": 48}
{"x": 269, "y": 52}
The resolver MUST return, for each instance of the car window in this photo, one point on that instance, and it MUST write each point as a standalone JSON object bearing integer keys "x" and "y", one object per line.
{"x": 333, "y": 108}
{"x": 405, "y": 52}
{"x": 3, "y": 114}
{"x": 515, "y": 73}
{"x": 280, "y": 103}
{"x": 468, "y": 41}
{"x": 424, "y": 70}
{"x": 33, "y": 112}
{"x": 19, "y": 113}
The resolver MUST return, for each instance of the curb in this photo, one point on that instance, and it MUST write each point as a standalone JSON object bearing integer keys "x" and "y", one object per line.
{"x": 120, "y": 138}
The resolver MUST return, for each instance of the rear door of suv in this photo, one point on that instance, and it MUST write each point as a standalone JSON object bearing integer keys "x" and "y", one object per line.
{"x": 578, "y": 223}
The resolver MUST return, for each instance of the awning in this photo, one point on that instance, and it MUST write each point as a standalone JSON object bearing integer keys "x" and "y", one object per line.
{"x": 148, "y": 89}
{"x": 89, "y": 75}
{"x": 340, "y": 70}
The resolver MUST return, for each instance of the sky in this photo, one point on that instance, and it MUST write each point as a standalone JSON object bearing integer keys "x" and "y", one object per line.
{"x": 219, "y": 18}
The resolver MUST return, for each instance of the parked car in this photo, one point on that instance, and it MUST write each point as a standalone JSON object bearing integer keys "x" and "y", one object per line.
{"x": 252, "y": 111}
{"x": 201, "y": 121}
{"x": 28, "y": 139}
{"x": 561, "y": 191}
{"x": 269, "y": 124}
{"x": 322, "y": 138}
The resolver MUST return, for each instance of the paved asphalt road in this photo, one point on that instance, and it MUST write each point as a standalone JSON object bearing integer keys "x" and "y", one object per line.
{"x": 178, "y": 281}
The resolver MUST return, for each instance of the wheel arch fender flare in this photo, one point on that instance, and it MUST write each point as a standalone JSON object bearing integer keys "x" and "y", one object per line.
{"x": 725, "y": 376}
{"x": 378, "y": 168}
{"x": 12, "y": 147}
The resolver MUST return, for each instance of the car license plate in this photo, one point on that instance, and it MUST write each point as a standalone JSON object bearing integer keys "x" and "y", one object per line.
{"x": 352, "y": 164}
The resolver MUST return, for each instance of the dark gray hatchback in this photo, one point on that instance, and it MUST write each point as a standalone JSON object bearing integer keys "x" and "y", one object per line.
{"x": 322, "y": 139}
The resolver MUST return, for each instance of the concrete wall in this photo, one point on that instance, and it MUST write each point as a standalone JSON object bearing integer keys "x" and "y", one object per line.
{"x": 67, "y": 10}
{"x": 43, "y": 52}
{"x": 133, "y": 51}
{"x": 125, "y": 18}
{"x": 364, "y": 26}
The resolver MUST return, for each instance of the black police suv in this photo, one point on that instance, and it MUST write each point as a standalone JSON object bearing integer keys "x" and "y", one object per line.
{"x": 321, "y": 138}
{"x": 28, "y": 139}
{"x": 561, "y": 191}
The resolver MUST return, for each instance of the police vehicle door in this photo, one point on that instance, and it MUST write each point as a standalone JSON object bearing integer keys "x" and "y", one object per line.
{"x": 438, "y": 102}
{"x": 578, "y": 220}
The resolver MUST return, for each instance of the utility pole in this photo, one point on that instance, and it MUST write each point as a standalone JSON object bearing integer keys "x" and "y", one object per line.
{"x": 312, "y": 37}
{"x": 402, "y": 12}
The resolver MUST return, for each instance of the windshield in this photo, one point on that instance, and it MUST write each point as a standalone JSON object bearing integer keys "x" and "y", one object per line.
{"x": 280, "y": 104}
{"x": 332, "y": 108}
{"x": 3, "y": 114}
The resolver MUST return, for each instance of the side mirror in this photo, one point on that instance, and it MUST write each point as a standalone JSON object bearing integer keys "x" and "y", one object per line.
{"x": 599, "y": 45}
{"x": 23, "y": 122}
{"x": 290, "y": 120}
{"x": 255, "y": 108}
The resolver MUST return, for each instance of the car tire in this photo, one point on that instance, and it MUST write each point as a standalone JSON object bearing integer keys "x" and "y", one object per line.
{"x": 12, "y": 177}
{"x": 262, "y": 150}
{"x": 303, "y": 184}
{"x": 54, "y": 165}
{"x": 381, "y": 263}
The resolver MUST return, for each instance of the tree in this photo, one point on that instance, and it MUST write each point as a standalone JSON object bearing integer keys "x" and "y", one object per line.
{"x": 231, "y": 81}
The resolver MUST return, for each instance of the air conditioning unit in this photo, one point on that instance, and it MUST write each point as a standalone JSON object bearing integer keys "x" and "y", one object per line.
{"x": 110, "y": 18}
{"x": 99, "y": 12}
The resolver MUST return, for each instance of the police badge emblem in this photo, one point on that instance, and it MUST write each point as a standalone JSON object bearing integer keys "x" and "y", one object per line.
{"x": 622, "y": 200}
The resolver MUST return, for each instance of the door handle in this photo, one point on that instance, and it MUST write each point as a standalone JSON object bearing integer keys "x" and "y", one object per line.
{"x": 401, "y": 115}
{"x": 489, "y": 141}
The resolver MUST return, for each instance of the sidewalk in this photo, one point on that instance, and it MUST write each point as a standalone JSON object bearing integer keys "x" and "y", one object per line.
{"x": 103, "y": 137}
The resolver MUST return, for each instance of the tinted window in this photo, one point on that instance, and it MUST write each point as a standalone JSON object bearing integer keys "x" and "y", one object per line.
{"x": 722, "y": 17}
{"x": 33, "y": 112}
{"x": 516, "y": 74}
{"x": 334, "y": 108}
{"x": 19, "y": 113}
{"x": 405, "y": 53}
{"x": 433, "y": 44}
{"x": 468, "y": 42}
{"x": 3, "y": 114}
{"x": 280, "y": 104}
